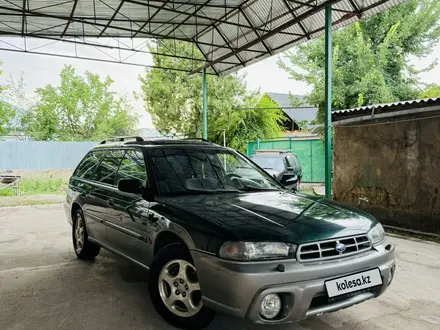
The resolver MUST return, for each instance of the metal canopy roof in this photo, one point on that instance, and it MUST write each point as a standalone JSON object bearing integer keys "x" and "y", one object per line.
{"x": 230, "y": 34}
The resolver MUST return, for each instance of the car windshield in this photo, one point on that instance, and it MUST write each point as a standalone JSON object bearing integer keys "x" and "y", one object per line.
{"x": 188, "y": 170}
{"x": 269, "y": 162}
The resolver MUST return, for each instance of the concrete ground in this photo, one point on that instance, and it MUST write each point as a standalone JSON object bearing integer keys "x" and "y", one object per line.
{"x": 44, "y": 286}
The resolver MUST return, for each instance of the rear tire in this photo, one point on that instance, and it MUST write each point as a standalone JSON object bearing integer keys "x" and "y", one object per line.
{"x": 84, "y": 249}
{"x": 175, "y": 290}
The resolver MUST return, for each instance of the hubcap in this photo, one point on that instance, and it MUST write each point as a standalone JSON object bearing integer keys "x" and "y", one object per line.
{"x": 79, "y": 234}
{"x": 179, "y": 288}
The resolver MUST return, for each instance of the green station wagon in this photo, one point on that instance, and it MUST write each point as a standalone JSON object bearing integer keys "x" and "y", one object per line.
{"x": 219, "y": 234}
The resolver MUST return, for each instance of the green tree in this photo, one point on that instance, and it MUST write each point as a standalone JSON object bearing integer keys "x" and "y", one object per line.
{"x": 7, "y": 112}
{"x": 251, "y": 123}
{"x": 20, "y": 101}
{"x": 370, "y": 57}
{"x": 80, "y": 108}
{"x": 174, "y": 100}
{"x": 431, "y": 92}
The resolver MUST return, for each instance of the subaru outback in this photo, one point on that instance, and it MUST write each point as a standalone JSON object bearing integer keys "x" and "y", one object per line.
{"x": 219, "y": 234}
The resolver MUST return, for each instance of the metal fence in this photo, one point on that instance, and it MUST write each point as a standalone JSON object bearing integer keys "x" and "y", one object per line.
{"x": 40, "y": 156}
{"x": 310, "y": 153}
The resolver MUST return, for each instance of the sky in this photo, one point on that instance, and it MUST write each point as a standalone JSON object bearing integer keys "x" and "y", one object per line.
{"x": 40, "y": 70}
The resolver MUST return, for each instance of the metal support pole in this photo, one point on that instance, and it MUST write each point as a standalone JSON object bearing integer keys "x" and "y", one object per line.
{"x": 328, "y": 102}
{"x": 205, "y": 105}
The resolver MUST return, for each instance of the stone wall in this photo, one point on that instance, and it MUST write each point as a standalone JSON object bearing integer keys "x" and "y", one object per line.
{"x": 396, "y": 167}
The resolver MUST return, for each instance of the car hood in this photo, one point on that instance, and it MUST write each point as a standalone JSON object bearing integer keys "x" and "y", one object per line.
{"x": 273, "y": 215}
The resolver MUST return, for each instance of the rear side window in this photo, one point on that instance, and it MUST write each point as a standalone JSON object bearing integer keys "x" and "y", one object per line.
{"x": 292, "y": 161}
{"x": 132, "y": 167}
{"x": 87, "y": 166}
{"x": 106, "y": 171}
{"x": 295, "y": 159}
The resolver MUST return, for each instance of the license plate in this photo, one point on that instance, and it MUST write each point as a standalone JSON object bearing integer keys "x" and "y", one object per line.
{"x": 352, "y": 283}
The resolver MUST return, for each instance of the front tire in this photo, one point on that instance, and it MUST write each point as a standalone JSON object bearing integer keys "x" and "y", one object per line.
{"x": 84, "y": 249}
{"x": 175, "y": 289}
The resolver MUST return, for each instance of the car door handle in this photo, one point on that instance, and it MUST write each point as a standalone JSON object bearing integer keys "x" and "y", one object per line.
{"x": 111, "y": 202}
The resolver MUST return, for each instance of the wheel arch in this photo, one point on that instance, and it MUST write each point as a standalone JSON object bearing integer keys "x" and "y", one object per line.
{"x": 171, "y": 235}
{"x": 75, "y": 207}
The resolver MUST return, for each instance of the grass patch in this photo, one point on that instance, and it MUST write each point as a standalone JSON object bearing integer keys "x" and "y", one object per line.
{"x": 49, "y": 184}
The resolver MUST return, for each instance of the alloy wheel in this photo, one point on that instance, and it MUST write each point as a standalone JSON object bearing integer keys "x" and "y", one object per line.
{"x": 79, "y": 234}
{"x": 179, "y": 288}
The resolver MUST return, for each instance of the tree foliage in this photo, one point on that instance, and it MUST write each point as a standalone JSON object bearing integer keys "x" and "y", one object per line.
{"x": 251, "y": 123}
{"x": 174, "y": 100}
{"x": 370, "y": 57}
{"x": 7, "y": 112}
{"x": 16, "y": 96}
{"x": 80, "y": 108}
{"x": 431, "y": 92}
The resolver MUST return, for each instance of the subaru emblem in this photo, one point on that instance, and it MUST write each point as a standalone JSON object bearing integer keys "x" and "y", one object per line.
{"x": 340, "y": 247}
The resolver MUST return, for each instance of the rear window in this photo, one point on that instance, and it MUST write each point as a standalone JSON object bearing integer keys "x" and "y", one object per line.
{"x": 106, "y": 171}
{"x": 133, "y": 167}
{"x": 269, "y": 162}
{"x": 87, "y": 166}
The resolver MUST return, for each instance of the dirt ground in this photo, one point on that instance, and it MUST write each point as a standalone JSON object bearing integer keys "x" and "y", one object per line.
{"x": 44, "y": 286}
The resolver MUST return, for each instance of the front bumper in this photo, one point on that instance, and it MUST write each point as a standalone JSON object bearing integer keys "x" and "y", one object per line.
{"x": 238, "y": 288}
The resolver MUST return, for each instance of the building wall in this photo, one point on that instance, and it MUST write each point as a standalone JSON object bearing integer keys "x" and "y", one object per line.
{"x": 396, "y": 166}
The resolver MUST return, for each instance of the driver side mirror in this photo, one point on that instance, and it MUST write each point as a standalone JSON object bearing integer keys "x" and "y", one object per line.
{"x": 134, "y": 186}
{"x": 293, "y": 181}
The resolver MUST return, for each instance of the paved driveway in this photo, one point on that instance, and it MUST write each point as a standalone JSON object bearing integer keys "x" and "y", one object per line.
{"x": 44, "y": 286}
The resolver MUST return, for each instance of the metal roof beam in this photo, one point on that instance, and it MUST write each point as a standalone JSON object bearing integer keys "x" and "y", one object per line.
{"x": 92, "y": 44}
{"x": 207, "y": 4}
{"x": 149, "y": 19}
{"x": 270, "y": 34}
{"x": 254, "y": 29}
{"x": 222, "y": 18}
{"x": 113, "y": 16}
{"x": 95, "y": 59}
{"x": 75, "y": 3}
{"x": 213, "y": 20}
{"x": 23, "y": 19}
{"x": 301, "y": 25}
{"x": 85, "y": 18}
{"x": 151, "y": 35}
{"x": 186, "y": 19}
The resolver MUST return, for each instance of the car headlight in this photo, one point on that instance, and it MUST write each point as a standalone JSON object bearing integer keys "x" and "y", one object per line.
{"x": 376, "y": 234}
{"x": 248, "y": 251}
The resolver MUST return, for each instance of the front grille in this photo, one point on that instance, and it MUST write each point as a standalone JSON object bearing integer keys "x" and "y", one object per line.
{"x": 325, "y": 250}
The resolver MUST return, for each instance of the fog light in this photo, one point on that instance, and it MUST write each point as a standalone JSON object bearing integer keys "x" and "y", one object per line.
{"x": 270, "y": 306}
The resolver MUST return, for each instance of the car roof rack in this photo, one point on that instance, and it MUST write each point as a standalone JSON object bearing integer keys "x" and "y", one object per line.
{"x": 122, "y": 139}
{"x": 197, "y": 139}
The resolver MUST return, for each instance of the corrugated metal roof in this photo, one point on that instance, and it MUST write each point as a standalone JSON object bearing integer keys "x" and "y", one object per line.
{"x": 389, "y": 106}
{"x": 231, "y": 34}
{"x": 297, "y": 114}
